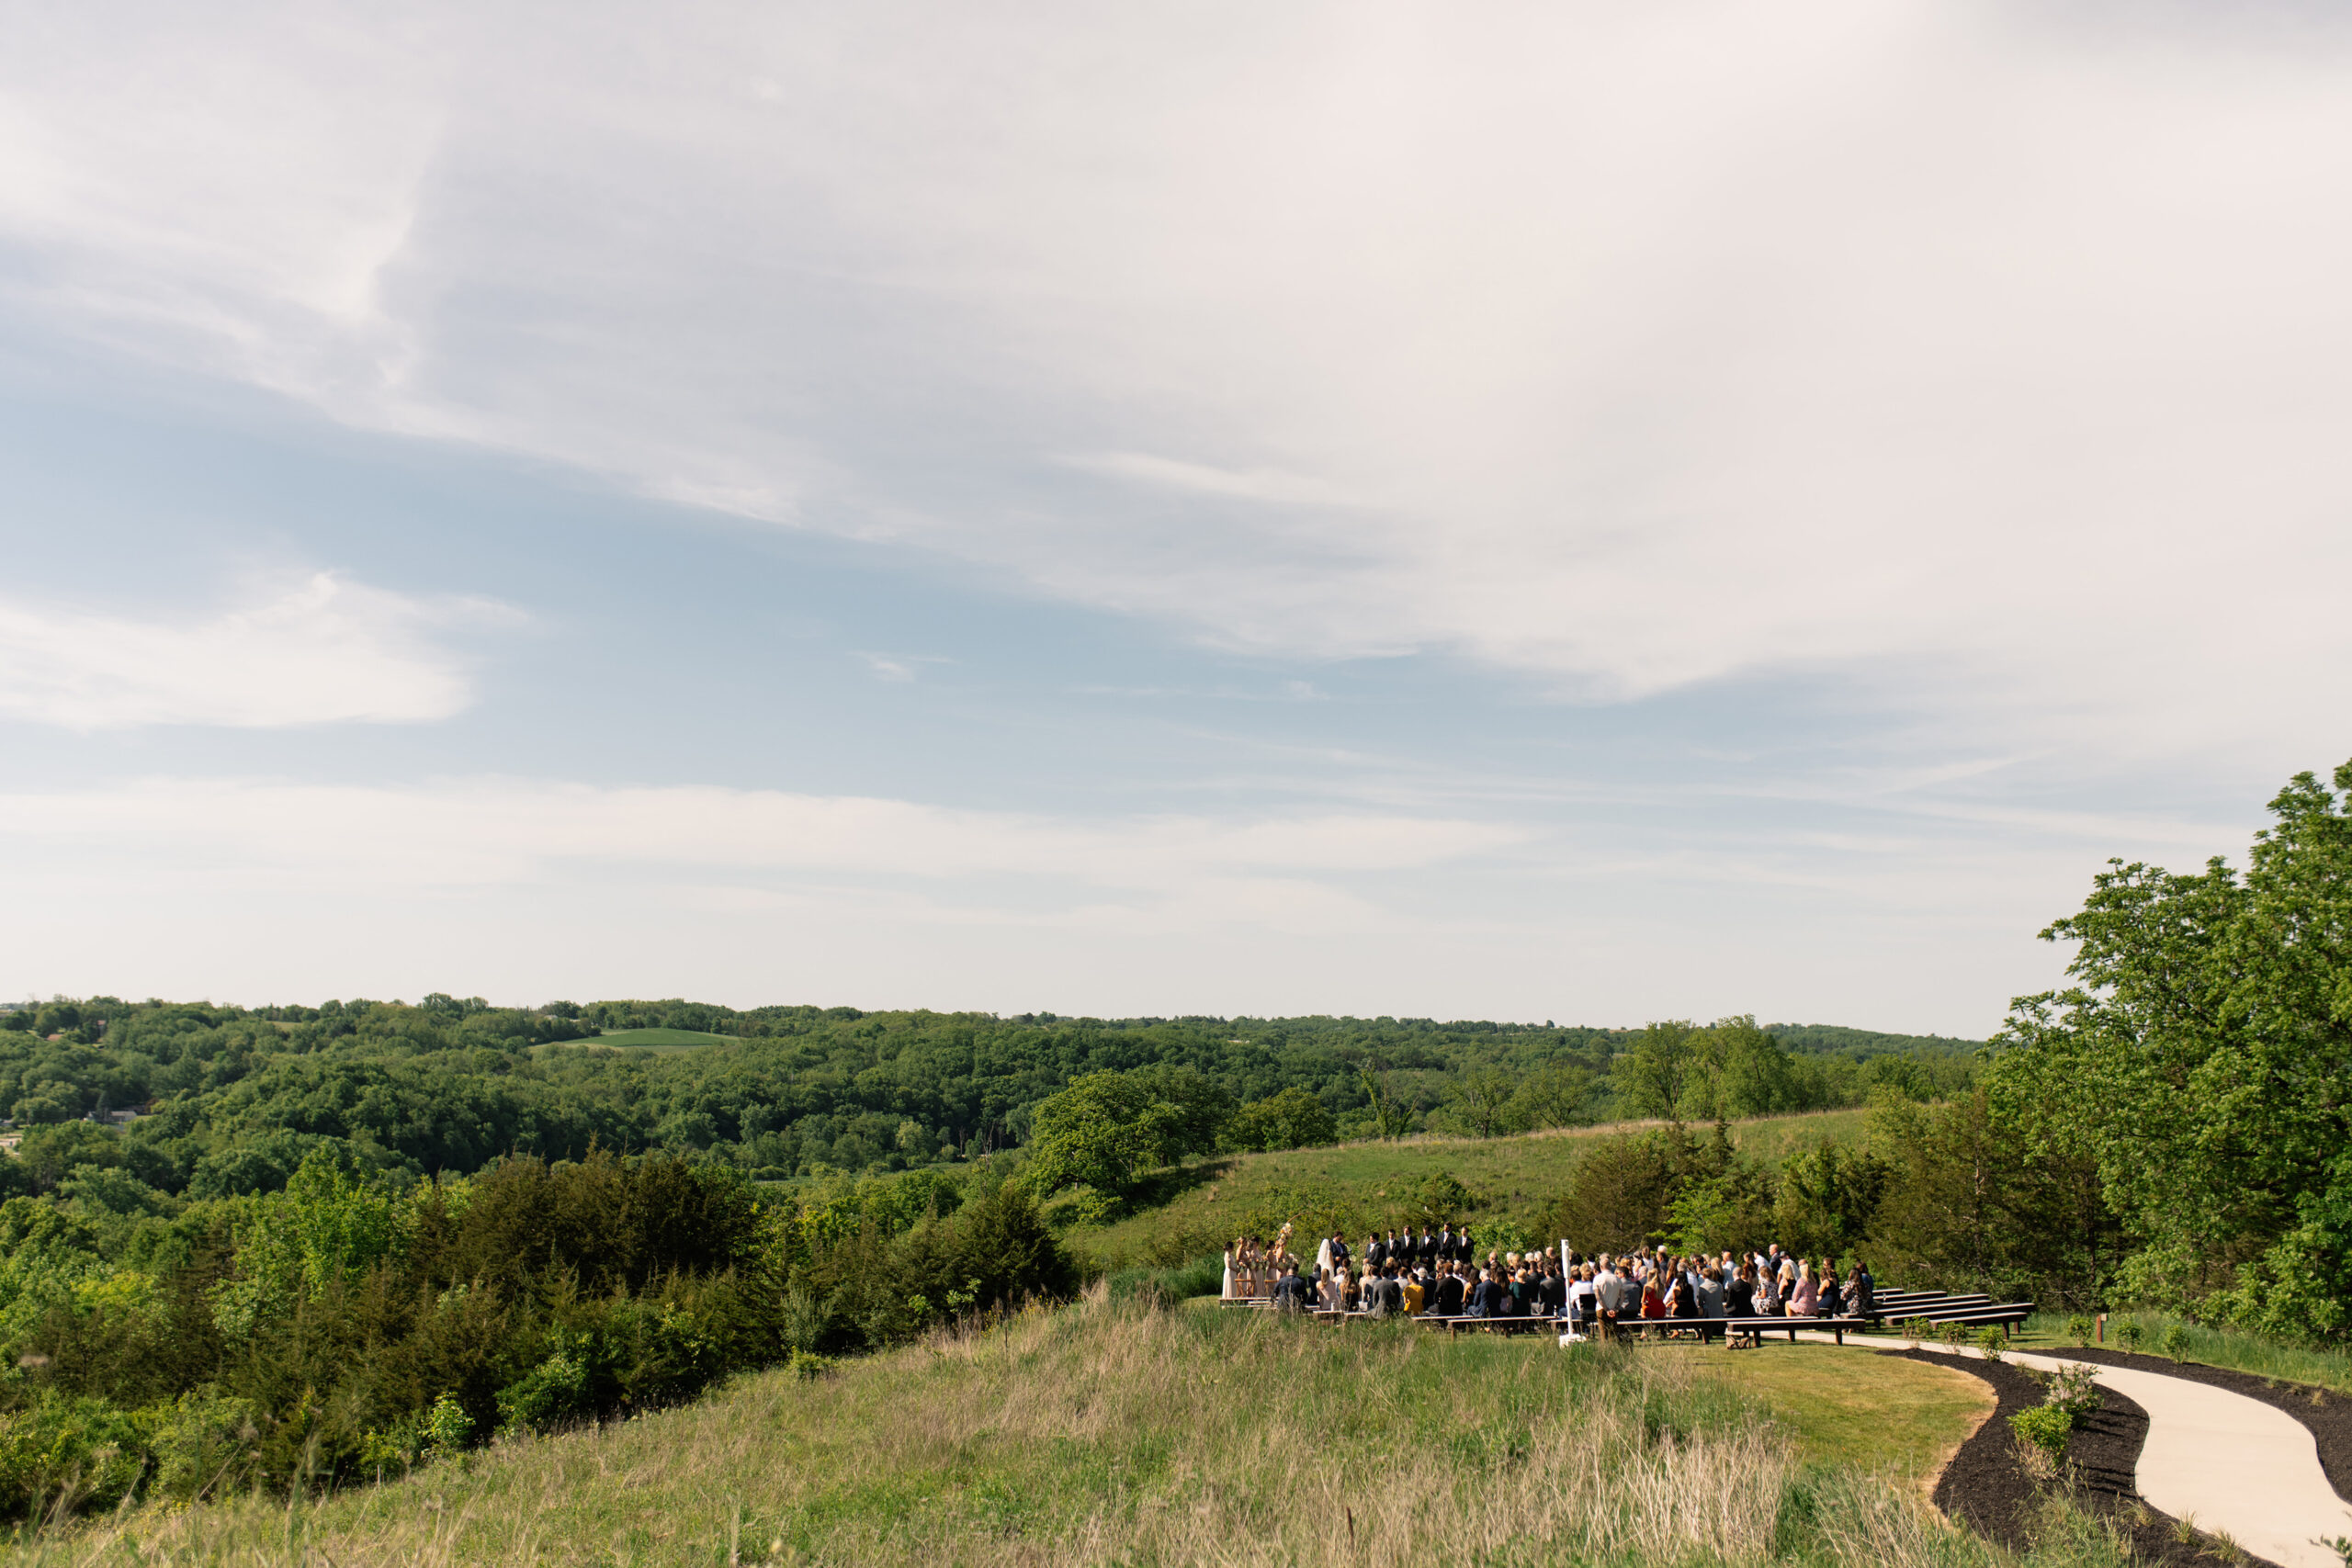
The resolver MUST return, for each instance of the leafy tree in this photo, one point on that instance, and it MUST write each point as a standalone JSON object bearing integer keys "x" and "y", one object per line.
{"x": 2203, "y": 1062}
{"x": 1553, "y": 1096}
{"x": 1107, "y": 1129}
{"x": 1482, "y": 1098}
{"x": 1754, "y": 1076}
{"x": 1291, "y": 1120}
{"x": 1666, "y": 1064}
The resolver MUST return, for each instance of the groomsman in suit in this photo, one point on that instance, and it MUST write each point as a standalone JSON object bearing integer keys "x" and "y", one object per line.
{"x": 1375, "y": 1251}
{"x": 1467, "y": 1249}
{"x": 1445, "y": 1242}
{"x": 1425, "y": 1250}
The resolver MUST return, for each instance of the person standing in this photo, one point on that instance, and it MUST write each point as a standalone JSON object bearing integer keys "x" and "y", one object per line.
{"x": 1609, "y": 1289}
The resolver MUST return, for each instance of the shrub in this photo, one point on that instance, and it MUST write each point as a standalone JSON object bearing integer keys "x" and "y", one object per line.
{"x": 1992, "y": 1342}
{"x": 2078, "y": 1329}
{"x": 2175, "y": 1342}
{"x": 446, "y": 1427}
{"x": 2074, "y": 1388}
{"x": 2044, "y": 1427}
{"x": 85, "y": 1449}
{"x": 2129, "y": 1333}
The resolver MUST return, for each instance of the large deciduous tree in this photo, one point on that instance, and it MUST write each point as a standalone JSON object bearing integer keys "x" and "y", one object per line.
{"x": 1107, "y": 1129}
{"x": 2203, "y": 1062}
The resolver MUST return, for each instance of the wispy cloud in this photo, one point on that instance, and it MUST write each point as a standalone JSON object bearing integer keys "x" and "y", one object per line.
{"x": 322, "y": 652}
{"x": 900, "y": 668}
{"x": 482, "y": 833}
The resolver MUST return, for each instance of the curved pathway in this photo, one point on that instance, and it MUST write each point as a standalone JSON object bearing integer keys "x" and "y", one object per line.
{"x": 2224, "y": 1462}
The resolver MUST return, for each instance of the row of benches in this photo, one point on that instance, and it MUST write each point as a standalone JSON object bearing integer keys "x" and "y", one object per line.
{"x": 1894, "y": 1306}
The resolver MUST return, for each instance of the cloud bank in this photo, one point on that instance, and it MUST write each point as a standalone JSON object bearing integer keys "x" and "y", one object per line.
{"x": 1989, "y": 358}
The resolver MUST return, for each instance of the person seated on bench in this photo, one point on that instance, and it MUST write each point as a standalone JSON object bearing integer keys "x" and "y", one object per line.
{"x": 1767, "y": 1293}
{"x": 1583, "y": 1305}
{"x": 1832, "y": 1299}
{"x": 1710, "y": 1299}
{"x": 1739, "y": 1301}
{"x": 1861, "y": 1291}
{"x": 1333, "y": 1290}
{"x": 1682, "y": 1294}
{"x": 1290, "y": 1291}
{"x": 1449, "y": 1290}
{"x": 1554, "y": 1290}
{"x": 1653, "y": 1299}
{"x": 1805, "y": 1299}
{"x": 1417, "y": 1292}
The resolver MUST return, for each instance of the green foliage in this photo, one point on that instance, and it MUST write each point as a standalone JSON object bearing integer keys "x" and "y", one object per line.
{"x": 1292, "y": 1119}
{"x": 2074, "y": 1388}
{"x": 2079, "y": 1327}
{"x": 2198, "y": 1061}
{"x": 2045, "y": 1426}
{"x": 1107, "y": 1129}
{"x": 1665, "y": 1069}
{"x": 2129, "y": 1333}
{"x": 1441, "y": 1199}
{"x": 1992, "y": 1343}
{"x": 2174, "y": 1342}
{"x": 446, "y": 1427}
{"x": 341, "y": 1328}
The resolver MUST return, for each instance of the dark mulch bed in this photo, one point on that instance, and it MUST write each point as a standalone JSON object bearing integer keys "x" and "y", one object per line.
{"x": 2328, "y": 1414}
{"x": 1988, "y": 1487}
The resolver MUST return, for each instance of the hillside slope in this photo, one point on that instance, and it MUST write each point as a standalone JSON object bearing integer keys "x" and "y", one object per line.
{"x": 1206, "y": 1203}
{"x": 1109, "y": 1433}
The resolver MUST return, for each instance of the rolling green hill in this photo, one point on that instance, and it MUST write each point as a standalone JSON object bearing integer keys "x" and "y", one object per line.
{"x": 1204, "y": 1203}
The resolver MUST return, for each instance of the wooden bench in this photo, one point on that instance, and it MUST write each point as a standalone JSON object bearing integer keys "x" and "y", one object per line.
{"x": 2006, "y": 1316}
{"x": 1837, "y": 1327}
{"x": 1517, "y": 1323}
{"x": 1907, "y": 1303}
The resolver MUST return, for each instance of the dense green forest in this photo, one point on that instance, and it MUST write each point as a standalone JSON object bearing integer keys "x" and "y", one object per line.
{"x": 233, "y": 1098}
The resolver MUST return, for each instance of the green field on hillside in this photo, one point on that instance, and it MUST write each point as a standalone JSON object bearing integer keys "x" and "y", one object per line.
{"x": 1207, "y": 1203}
{"x": 657, "y": 1039}
{"x": 1107, "y": 1433}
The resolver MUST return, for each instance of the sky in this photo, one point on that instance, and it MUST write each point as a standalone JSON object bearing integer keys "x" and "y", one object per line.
{"x": 1560, "y": 511}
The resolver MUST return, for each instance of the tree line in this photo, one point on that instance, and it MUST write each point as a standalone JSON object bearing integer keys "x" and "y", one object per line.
{"x": 235, "y": 1098}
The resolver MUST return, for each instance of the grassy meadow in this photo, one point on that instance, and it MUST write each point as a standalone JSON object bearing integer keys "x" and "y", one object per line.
{"x": 1204, "y": 1203}
{"x": 643, "y": 1040}
{"x": 1109, "y": 1432}
{"x": 2214, "y": 1348}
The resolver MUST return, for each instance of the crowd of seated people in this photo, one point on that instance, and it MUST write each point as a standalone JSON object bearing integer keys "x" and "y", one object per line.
{"x": 1676, "y": 1294}
{"x": 1441, "y": 1276}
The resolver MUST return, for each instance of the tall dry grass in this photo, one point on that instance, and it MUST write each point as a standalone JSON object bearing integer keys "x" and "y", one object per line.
{"x": 1110, "y": 1433}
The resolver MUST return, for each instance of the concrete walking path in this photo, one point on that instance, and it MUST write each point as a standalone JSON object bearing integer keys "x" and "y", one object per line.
{"x": 2226, "y": 1463}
